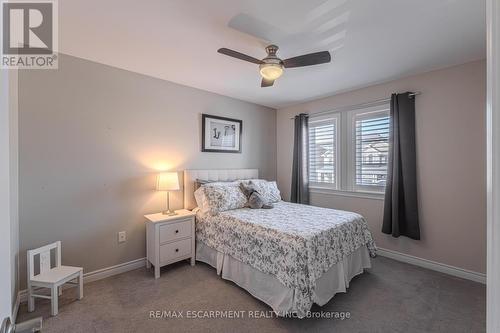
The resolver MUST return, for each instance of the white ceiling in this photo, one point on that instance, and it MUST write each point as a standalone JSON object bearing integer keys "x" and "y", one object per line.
{"x": 371, "y": 40}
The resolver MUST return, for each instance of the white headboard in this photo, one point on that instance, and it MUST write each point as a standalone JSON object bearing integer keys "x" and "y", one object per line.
{"x": 190, "y": 177}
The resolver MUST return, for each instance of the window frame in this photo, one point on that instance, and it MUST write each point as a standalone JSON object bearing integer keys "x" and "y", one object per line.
{"x": 345, "y": 168}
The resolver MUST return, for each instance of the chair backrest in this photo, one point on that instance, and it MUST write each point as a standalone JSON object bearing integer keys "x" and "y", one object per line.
{"x": 45, "y": 258}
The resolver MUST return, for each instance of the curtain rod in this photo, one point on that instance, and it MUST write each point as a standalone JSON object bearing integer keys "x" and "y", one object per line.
{"x": 359, "y": 106}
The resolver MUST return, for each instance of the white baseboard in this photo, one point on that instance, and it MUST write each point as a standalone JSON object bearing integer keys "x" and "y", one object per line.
{"x": 113, "y": 270}
{"x": 433, "y": 265}
{"x": 99, "y": 274}
{"x": 406, "y": 258}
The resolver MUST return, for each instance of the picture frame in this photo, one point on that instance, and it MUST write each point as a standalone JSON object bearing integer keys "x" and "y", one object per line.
{"x": 220, "y": 134}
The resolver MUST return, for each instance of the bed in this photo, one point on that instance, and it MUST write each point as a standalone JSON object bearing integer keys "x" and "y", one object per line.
{"x": 289, "y": 257}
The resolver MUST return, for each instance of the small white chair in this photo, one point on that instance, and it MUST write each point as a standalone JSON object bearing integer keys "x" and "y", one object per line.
{"x": 51, "y": 277}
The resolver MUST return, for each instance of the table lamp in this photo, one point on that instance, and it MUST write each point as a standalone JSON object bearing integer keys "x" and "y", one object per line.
{"x": 168, "y": 181}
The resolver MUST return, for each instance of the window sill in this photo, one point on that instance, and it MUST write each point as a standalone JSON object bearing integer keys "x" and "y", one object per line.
{"x": 363, "y": 195}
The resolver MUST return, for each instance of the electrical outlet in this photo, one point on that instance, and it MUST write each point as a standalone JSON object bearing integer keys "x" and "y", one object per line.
{"x": 122, "y": 236}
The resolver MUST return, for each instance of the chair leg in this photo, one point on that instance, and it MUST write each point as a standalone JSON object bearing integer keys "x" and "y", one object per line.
{"x": 80, "y": 285}
{"x": 54, "y": 300}
{"x": 60, "y": 291}
{"x": 31, "y": 299}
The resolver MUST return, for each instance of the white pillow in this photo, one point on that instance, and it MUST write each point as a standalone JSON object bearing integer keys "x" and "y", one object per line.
{"x": 214, "y": 199}
{"x": 199, "y": 196}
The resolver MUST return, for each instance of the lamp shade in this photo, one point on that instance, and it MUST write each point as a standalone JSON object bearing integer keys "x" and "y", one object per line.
{"x": 167, "y": 181}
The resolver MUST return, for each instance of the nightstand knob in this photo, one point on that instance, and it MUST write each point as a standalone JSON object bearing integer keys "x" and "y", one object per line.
{"x": 176, "y": 250}
{"x": 176, "y": 231}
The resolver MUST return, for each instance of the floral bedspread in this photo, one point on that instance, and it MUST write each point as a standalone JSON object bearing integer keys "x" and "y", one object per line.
{"x": 296, "y": 243}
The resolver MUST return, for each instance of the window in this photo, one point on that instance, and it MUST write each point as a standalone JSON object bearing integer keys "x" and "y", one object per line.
{"x": 348, "y": 151}
{"x": 371, "y": 150}
{"x": 323, "y": 152}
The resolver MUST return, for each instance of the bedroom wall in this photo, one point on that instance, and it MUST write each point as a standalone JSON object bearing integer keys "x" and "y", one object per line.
{"x": 92, "y": 139}
{"x": 451, "y": 153}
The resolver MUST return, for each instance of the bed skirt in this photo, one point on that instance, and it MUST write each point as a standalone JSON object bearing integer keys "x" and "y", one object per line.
{"x": 271, "y": 291}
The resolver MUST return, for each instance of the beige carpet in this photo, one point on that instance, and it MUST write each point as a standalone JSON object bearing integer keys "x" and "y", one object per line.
{"x": 391, "y": 297}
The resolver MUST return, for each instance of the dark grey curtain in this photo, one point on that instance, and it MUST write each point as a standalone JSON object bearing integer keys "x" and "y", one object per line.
{"x": 400, "y": 205}
{"x": 300, "y": 173}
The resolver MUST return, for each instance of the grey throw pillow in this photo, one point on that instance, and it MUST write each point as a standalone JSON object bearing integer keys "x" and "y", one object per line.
{"x": 255, "y": 200}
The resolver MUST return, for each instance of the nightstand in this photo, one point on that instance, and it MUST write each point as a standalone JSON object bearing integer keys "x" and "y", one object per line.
{"x": 170, "y": 239}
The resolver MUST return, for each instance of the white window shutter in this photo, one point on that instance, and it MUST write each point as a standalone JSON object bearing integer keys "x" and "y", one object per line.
{"x": 371, "y": 137}
{"x": 323, "y": 152}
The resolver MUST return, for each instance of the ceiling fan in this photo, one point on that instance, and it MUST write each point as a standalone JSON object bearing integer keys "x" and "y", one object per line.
{"x": 271, "y": 67}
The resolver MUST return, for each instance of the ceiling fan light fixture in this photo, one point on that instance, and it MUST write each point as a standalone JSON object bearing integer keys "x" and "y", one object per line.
{"x": 272, "y": 67}
{"x": 271, "y": 71}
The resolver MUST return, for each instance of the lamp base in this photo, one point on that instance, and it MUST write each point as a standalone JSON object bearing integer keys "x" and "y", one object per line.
{"x": 168, "y": 212}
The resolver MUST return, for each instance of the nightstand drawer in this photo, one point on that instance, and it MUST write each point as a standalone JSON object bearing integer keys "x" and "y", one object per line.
{"x": 173, "y": 231}
{"x": 175, "y": 250}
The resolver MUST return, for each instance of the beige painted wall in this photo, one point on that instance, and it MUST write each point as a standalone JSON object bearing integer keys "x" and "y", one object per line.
{"x": 451, "y": 153}
{"x": 91, "y": 139}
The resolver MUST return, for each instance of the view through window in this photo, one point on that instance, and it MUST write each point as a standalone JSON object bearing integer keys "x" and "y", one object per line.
{"x": 348, "y": 151}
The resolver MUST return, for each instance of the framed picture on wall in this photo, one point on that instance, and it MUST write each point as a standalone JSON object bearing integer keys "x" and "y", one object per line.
{"x": 220, "y": 134}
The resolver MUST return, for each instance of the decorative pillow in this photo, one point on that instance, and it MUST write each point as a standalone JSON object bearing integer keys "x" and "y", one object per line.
{"x": 216, "y": 198}
{"x": 268, "y": 190}
{"x": 255, "y": 200}
{"x": 199, "y": 196}
{"x": 200, "y": 182}
{"x": 203, "y": 182}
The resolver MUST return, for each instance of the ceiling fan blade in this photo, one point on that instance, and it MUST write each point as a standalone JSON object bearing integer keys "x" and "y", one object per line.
{"x": 266, "y": 83}
{"x": 308, "y": 59}
{"x": 239, "y": 55}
